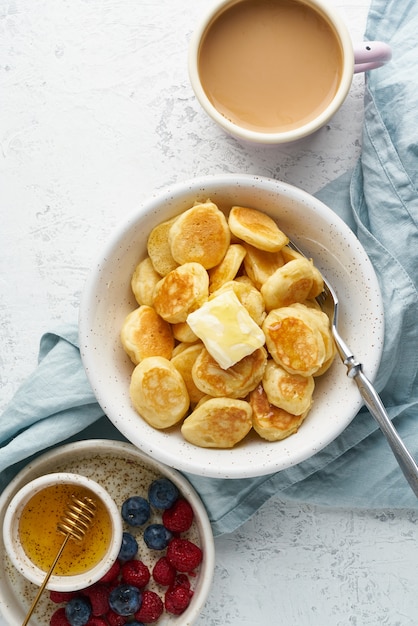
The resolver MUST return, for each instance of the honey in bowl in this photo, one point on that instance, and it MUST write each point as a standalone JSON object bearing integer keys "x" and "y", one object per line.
{"x": 41, "y": 540}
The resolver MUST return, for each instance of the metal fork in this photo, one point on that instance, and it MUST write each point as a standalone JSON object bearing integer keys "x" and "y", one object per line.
{"x": 328, "y": 301}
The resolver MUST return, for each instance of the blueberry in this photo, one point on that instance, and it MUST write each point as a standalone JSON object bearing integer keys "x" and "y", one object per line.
{"x": 135, "y": 623}
{"x": 136, "y": 511}
{"x": 125, "y": 600}
{"x": 157, "y": 536}
{"x": 78, "y": 611}
{"x": 162, "y": 493}
{"x": 129, "y": 547}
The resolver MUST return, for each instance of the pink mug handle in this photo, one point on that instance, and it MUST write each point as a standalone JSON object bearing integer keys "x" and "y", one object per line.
{"x": 369, "y": 55}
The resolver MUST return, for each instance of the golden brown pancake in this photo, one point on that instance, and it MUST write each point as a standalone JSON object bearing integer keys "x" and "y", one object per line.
{"x": 256, "y": 228}
{"x": 218, "y": 423}
{"x": 180, "y": 292}
{"x": 184, "y": 362}
{"x": 318, "y": 283}
{"x": 290, "y": 392}
{"x": 236, "y": 381}
{"x": 183, "y": 333}
{"x": 201, "y": 235}
{"x": 270, "y": 422}
{"x": 322, "y": 322}
{"x": 143, "y": 282}
{"x": 227, "y": 268}
{"x": 290, "y": 283}
{"x": 260, "y": 265}
{"x": 144, "y": 333}
{"x": 158, "y": 392}
{"x": 159, "y": 249}
{"x": 289, "y": 254}
{"x": 294, "y": 341}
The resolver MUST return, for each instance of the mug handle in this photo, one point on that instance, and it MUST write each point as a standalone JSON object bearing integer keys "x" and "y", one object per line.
{"x": 369, "y": 55}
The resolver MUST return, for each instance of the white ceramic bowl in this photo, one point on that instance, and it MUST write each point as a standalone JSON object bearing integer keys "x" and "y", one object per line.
{"x": 107, "y": 299}
{"x": 122, "y": 470}
{"x": 17, "y": 553}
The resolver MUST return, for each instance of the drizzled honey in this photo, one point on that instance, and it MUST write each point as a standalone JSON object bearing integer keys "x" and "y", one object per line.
{"x": 41, "y": 540}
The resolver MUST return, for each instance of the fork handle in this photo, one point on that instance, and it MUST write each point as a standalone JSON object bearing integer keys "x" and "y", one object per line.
{"x": 375, "y": 405}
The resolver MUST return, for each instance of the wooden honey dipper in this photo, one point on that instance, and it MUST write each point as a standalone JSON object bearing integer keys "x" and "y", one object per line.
{"x": 74, "y": 524}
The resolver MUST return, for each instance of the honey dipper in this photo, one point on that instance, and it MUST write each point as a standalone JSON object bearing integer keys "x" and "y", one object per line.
{"x": 74, "y": 524}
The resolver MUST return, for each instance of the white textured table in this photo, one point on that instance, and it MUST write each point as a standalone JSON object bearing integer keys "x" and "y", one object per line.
{"x": 96, "y": 114}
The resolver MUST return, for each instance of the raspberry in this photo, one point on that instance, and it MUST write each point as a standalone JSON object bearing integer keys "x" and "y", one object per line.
{"x": 177, "y": 599}
{"x": 183, "y": 555}
{"x": 61, "y": 596}
{"x": 112, "y": 574}
{"x": 151, "y": 609}
{"x": 99, "y": 599}
{"x": 163, "y": 572}
{"x": 97, "y": 621}
{"x": 135, "y": 573}
{"x": 113, "y": 619}
{"x": 182, "y": 580}
{"x": 179, "y": 517}
{"x": 58, "y": 618}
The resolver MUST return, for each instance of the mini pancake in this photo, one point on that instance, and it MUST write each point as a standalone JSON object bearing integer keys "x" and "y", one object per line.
{"x": 183, "y": 333}
{"x": 236, "y": 381}
{"x": 270, "y": 422}
{"x": 290, "y": 283}
{"x": 317, "y": 285}
{"x": 159, "y": 248}
{"x": 290, "y": 392}
{"x": 179, "y": 348}
{"x": 249, "y": 297}
{"x": 218, "y": 423}
{"x": 143, "y": 282}
{"x": 227, "y": 268}
{"x": 182, "y": 291}
{"x": 201, "y": 235}
{"x": 184, "y": 361}
{"x": 260, "y": 265}
{"x": 294, "y": 341}
{"x": 256, "y": 228}
{"x": 324, "y": 327}
{"x": 326, "y": 364}
{"x": 144, "y": 333}
{"x": 289, "y": 254}
{"x": 158, "y": 392}
{"x": 321, "y": 319}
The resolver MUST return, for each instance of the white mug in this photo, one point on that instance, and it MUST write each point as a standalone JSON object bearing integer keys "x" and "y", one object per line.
{"x": 275, "y": 71}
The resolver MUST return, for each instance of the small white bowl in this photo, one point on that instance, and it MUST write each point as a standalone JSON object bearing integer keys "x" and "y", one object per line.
{"x": 123, "y": 471}
{"x": 17, "y": 553}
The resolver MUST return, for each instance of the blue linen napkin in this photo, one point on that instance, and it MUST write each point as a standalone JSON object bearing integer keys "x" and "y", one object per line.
{"x": 379, "y": 201}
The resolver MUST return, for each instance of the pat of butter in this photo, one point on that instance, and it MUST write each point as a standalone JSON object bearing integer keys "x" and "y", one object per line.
{"x": 226, "y": 328}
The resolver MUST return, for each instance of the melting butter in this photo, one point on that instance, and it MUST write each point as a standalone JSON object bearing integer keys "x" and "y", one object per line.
{"x": 226, "y": 328}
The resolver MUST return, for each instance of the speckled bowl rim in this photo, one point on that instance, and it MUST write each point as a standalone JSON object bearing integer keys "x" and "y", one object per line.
{"x": 48, "y": 460}
{"x": 107, "y": 299}
{"x": 18, "y": 556}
